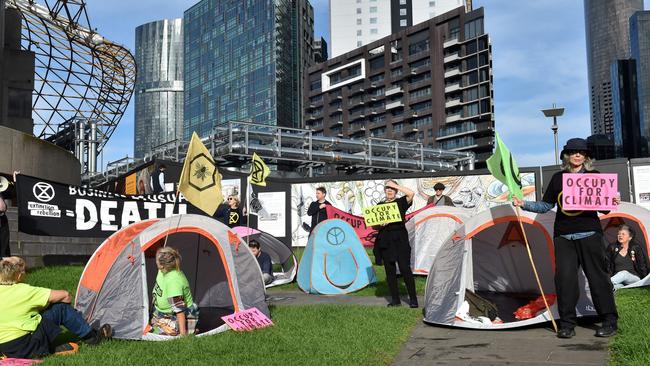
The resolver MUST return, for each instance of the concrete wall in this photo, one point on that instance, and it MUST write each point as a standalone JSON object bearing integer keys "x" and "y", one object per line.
{"x": 36, "y": 157}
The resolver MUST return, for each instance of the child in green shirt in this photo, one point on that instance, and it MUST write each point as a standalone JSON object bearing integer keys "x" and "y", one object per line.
{"x": 175, "y": 312}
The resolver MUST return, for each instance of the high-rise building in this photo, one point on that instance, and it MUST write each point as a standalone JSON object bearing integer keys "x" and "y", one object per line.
{"x": 429, "y": 83}
{"x": 640, "y": 49}
{"x": 625, "y": 108}
{"x": 159, "y": 84}
{"x": 320, "y": 50}
{"x": 245, "y": 61}
{"x": 607, "y": 32}
{"x": 354, "y": 23}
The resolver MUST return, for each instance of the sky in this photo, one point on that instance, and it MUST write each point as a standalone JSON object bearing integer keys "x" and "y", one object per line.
{"x": 538, "y": 52}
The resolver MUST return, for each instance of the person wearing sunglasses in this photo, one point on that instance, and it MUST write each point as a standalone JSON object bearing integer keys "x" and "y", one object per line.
{"x": 440, "y": 199}
{"x": 230, "y": 213}
{"x": 578, "y": 239}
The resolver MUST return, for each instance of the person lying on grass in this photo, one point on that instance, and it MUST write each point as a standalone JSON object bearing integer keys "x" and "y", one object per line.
{"x": 175, "y": 312}
{"x": 30, "y": 317}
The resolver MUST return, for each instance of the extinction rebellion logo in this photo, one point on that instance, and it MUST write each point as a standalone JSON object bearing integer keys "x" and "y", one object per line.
{"x": 43, "y": 192}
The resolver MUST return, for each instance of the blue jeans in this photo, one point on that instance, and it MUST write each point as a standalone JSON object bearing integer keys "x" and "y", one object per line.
{"x": 66, "y": 315}
{"x": 623, "y": 278}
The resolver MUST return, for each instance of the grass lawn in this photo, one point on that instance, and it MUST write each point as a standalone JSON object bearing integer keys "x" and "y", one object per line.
{"x": 632, "y": 344}
{"x": 379, "y": 289}
{"x": 309, "y": 335}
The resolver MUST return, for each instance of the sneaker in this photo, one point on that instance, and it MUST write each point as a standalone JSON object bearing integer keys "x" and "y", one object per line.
{"x": 66, "y": 349}
{"x": 413, "y": 304}
{"x": 566, "y": 333}
{"x": 606, "y": 331}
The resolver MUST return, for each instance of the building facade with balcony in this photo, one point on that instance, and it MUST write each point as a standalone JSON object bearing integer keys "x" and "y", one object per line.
{"x": 430, "y": 83}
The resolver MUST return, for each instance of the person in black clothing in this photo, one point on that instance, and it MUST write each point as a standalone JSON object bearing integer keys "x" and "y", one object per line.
{"x": 626, "y": 261}
{"x": 317, "y": 209}
{"x": 392, "y": 246}
{"x": 230, "y": 213}
{"x": 440, "y": 199}
{"x": 578, "y": 239}
{"x": 5, "y": 250}
{"x": 264, "y": 261}
{"x": 158, "y": 179}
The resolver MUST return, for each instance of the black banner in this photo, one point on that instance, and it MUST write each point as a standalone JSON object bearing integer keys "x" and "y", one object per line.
{"x": 55, "y": 209}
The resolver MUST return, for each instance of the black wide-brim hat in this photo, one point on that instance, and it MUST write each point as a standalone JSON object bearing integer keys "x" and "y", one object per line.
{"x": 575, "y": 144}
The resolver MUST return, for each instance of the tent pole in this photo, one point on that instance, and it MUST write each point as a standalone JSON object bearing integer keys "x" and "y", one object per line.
{"x": 179, "y": 220}
{"x": 532, "y": 263}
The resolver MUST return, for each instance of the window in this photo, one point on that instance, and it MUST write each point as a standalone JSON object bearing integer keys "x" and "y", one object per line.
{"x": 378, "y": 118}
{"x": 315, "y": 85}
{"x": 421, "y": 77}
{"x": 402, "y": 22}
{"x": 470, "y": 95}
{"x": 422, "y": 121}
{"x": 396, "y": 72}
{"x": 420, "y": 92}
{"x": 470, "y": 48}
{"x": 482, "y": 44}
{"x": 423, "y": 62}
{"x": 358, "y": 21}
{"x": 358, "y": 32}
{"x": 378, "y": 132}
{"x": 474, "y": 28}
{"x": 471, "y": 110}
{"x": 471, "y": 63}
{"x": 316, "y": 99}
{"x": 418, "y": 47}
{"x": 398, "y": 127}
{"x": 373, "y": 31}
{"x": 483, "y": 59}
{"x": 378, "y": 77}
{"x": 373, "y": 20}
{"x": 402, "y": 2}
{"x": 358, "y": 10}
{"x": 454, "y": 28}
{"x": 421, "y": 106}
{"x": 376, "y": 63}
{"x": 373, "y": 9}
{"x": 402, "y": 12}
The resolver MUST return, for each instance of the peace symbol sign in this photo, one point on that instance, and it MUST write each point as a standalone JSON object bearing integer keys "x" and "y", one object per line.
{"x": 335, "y": 236}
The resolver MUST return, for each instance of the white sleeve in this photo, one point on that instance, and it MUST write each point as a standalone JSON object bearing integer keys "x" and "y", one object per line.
{"x": 161, "y": 179}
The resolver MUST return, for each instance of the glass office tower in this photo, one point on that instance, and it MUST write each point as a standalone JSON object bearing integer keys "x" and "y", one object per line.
{"x": 244, "y": 61}
{"x": 159, "y": 84}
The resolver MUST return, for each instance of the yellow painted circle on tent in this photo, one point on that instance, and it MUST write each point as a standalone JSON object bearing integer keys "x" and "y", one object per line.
{"x": 559, "y": 204}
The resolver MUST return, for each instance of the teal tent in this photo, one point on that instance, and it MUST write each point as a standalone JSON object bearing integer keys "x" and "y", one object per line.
{"x": 334, "y": 262}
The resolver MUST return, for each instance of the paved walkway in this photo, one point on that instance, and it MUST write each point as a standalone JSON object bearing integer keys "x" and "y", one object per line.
{"x": 429, "y": 345}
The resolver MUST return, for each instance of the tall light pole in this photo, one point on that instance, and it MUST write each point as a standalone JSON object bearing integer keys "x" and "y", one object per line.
{"x": 555, "y": 113}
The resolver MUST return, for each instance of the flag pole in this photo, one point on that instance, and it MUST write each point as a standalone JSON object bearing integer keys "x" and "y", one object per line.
{"x": 532, "y": 263}
{"x": 179, "y": 220}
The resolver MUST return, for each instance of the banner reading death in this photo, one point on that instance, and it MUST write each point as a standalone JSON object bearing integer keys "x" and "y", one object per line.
{"x": 55, "y": 209}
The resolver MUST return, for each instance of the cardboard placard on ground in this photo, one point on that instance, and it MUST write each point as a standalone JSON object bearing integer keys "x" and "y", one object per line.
{"x": 589, "y": 191}
{"x": 382, "y": 214}
{"x": 247, "y": 320}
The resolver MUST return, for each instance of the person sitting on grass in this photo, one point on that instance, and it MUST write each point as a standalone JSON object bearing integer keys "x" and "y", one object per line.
{"x": 175, "y": 312}
{"x": 263, "y": 260}
{"x": 30, "y": 317}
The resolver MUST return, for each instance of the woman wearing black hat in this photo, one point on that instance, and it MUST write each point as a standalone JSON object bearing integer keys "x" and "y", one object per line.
{"x": 439, "y": 199}
{"x": 392, "y": 245}
{"x": 578, "y": 239}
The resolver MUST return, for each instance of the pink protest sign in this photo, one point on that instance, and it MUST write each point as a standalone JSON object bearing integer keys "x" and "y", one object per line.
{"x": 18, "y": 362}
{"x": 589, "y": 191}
{"x": 247, "y": 320}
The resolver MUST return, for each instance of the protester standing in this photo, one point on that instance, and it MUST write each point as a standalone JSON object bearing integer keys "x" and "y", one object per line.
{"x": 158, "y": 179}
{"x": 317, "y": 209}
{"x": 439, "y": 199}
{"x": 230, "y": 213}
{"x": 5, "y": 250}
{"x": 578, "y": 239}
{"x": 392, "y": 245}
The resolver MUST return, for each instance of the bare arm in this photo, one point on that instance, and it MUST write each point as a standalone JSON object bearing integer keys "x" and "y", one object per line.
{"x": 59, "y": 296}
{"x": 3, "y": 205}
{"x": 407, "y": 192}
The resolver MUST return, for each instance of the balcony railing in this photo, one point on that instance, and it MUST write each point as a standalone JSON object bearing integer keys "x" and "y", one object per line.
{"x": 393, "y": 91}
{"x": 462, "y": 128}
{"x": 453, "y": 118}
{"x": 394, "y": 104}
{"x": 451, "y": 58}
{"x": 452, "y": 88}
{"x": 452, "y": 72}
{"x": 452, "y": 103}
{"x": 451, "y": 42}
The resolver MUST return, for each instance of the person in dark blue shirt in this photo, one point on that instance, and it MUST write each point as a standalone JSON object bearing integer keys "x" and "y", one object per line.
{"x": 264, "y": 261}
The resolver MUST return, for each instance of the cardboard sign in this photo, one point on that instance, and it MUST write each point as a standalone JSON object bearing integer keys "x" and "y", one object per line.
{"x": 589, "y": 191}
{"x": 382, "y": 214}
{"x": 247, "y": 320}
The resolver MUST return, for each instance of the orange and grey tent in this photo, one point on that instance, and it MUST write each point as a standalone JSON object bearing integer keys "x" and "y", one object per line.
{"x": 116, "y": 285}
{"x": 488, "y": 257}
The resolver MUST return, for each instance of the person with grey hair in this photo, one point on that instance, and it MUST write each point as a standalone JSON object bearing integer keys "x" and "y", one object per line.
{"x": 626, "y": 261}
{"x": 578, "y": 239}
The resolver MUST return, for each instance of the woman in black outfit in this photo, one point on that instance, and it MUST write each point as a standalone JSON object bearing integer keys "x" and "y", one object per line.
{"x": 578, "y": 239}
{"x": 626, "y": 261}
{"x": 392, "y": 245}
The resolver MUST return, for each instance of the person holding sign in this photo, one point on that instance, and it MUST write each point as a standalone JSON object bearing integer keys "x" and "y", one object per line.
{"x": 392, "y": 245}
{"x": 626, "y": 260}
{"x": 578, "y": 239}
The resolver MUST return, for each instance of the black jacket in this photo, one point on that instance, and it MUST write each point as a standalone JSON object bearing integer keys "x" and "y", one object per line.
{"x": 638, "y": 258}
{"x": 317, "y": 214}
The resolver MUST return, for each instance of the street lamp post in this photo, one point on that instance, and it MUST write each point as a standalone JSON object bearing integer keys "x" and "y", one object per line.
{"x": 555, "y": 113}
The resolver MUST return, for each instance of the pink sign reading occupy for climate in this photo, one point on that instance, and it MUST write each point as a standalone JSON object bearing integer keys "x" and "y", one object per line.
{"x": 247, "y": 320}
{"x": 589, "y": 191}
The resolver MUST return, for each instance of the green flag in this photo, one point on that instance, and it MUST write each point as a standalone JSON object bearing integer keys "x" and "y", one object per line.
{"x": 504, "y": 168}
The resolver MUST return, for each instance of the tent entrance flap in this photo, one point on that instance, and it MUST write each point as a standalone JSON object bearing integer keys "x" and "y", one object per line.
{"x": 502, "y": 272}
{"x": 205, "y": 272}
